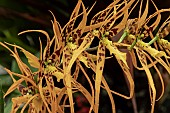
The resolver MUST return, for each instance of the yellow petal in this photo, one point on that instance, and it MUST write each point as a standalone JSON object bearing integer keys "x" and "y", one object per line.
{"x": 18, "y": 101}
{"x": 32, "y": 59}
{"x": 52, "y": 70}
{"x": 99, "y": 72}
{"x": 14, "y": 86}
{"x": 38, "y": 104}
{"x": 152, "y": 51}
{"x": 84, "y": 60}
{"x": 59, "y": 76}
{"x": 114, "y": 50}
{"x": 143, "y": 61}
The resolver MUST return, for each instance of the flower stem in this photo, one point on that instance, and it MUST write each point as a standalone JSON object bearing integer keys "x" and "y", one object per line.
{"x": 135, "y": 41}
{"x": 153, "y": 40}
{"x": 133, "y": 44}
{"x": 123, "y": 36}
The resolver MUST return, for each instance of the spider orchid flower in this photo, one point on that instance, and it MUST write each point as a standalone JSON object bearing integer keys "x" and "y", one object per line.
{"x": 105, "y": 32}
{"x": 49, "y": 63}
{"x": 33, "y": 92}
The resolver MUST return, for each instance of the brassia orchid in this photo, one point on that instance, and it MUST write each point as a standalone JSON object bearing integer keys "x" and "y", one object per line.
{"x": 70, "y": 46}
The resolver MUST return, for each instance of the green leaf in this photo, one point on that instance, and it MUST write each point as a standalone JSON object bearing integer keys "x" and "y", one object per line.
{"x": 8, "y": 107}
{"x": 1, "y": 99}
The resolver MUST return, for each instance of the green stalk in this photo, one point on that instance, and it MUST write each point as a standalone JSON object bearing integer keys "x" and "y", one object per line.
{"x": 123, "y": 36}
{"x": 133, "y": 44}
{"x": 153, "y": 40}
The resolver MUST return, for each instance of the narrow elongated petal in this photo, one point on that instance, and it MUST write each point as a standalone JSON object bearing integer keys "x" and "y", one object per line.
{"x": 86, "y": 43}
{"x": 145, "y": 13}
{"x": 99, "y": 73}
{"x": 42, "y": 96}
{"x": 46, "y": 53}
{"x": 14, "y": 86}
{"x": 67, "y": 77}
{"x": 52, "y": 93}
{"x": 29, "y": 101}
{"x": 121, "y": 58}
{"x": 142, "y": 59}
{"x": 32, "y": 59}
{"x": 18, "y": 101}
{"x": 159, "y": 75}
{"x": 90, "y": 98}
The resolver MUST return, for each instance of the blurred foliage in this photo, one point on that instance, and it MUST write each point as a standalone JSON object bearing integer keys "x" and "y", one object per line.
{"x": 19, "y": 15}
